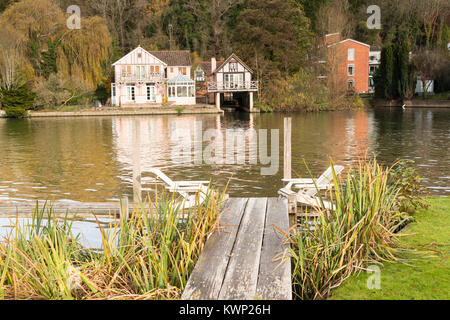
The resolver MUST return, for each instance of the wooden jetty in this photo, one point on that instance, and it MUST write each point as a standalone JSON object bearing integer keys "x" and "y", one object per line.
{"x": 243, "y": 260}
{"x": 73, "y": 209}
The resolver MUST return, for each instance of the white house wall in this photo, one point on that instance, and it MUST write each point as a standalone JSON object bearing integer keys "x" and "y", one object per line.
{"x": 226, "y": 69}
{"x": 147, "y": 59}
{"x": 133, "y": 59}
{"x": 176, "y": 71}
{"x": 183, "y": 100}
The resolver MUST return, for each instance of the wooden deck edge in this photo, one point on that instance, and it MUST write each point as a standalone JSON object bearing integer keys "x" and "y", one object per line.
{"x": 217, "y": 275}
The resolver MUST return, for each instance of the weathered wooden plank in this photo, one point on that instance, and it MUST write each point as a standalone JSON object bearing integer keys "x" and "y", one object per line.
{"x": 208, "y": 275}
{"x": 274, "y": 279}
{"x": 242, "y": 273}
{"x": 60, "y": 208}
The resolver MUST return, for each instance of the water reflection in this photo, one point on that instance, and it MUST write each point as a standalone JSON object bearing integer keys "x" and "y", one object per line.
{"x": 93, "y": 159}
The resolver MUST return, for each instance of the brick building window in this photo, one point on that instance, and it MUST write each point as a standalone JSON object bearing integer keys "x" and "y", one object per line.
{"x": 351, "y": 70}
{"x": 351, "y": 54}
{"x": 350, "y": 84}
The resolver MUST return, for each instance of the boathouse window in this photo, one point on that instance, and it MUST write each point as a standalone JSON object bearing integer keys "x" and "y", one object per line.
{"x": 234, "y": 80}
{"x": 131, "y": 89}
{"x": 351, "y": 54}
{"x": 233, "y": 67}
{"x": 182, "y": 70}
{"x": 199, "y": 75}
{"x": 351, "y": 69}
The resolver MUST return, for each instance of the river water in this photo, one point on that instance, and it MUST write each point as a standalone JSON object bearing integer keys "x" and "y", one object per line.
{"x": 92, "y": 159}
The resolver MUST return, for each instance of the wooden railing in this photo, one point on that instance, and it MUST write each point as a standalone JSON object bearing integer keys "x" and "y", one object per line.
{"x": 132, "y": 77}
{"x": 233, "y": 86}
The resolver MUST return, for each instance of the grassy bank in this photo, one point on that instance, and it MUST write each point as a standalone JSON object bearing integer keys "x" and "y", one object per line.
{"x": 371, "y": 204}
{"x": 426, "y": 276}
{"x": 148, "y": 256}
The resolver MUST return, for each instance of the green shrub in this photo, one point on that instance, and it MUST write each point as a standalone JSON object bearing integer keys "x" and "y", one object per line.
{"x": 358, "y": 102}
{"x": 406, "y": 178}
{"x": 361, "y": 230}
{"x": 17, "y": 101}
{"x": 179, "y": 110}
{"x": 303, "y": 91}
{"x": 262, "y": 106}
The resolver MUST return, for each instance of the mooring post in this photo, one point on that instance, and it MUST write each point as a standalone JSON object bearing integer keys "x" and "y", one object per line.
{"x": 137, "y": 188}
{"x": 124, "y": 209}
{"x": 287, "y": 169}
{"x": 287, "y": 148}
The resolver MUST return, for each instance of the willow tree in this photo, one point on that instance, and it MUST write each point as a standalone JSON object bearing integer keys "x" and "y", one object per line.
{"x": 43, "y": 17}
{"x": 10, "y": 57}
{"x": 83, "y": 53}
{"x": 50, "y": 47}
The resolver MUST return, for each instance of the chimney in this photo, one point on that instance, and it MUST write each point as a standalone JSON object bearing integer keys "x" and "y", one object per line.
{"x": 332, "y": 38}
{"x": 213, "y": 64}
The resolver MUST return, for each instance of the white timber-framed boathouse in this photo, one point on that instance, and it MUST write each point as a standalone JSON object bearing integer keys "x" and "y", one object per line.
{"x": 232, "y": 80}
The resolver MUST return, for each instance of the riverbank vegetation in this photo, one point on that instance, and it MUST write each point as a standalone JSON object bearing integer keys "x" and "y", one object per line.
{"x": 425, "y": 276}
{"x": 148, "y": 256}
{"x": 372, "y": 204}
{"x": 63, "y": 66}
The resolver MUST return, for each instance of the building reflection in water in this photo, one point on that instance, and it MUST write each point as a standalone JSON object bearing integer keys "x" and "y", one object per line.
{"x": 93, "y": 159}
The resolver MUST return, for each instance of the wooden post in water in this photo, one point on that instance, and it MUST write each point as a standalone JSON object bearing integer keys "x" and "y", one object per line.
{"x": 124, "y": 210}
{"x": 137, "y": 192}
{"x": 287, "y": 169}
{"x": 287, "y": 148}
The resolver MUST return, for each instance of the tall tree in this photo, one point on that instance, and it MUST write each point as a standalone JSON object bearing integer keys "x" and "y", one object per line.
{"x": 126, "y": 19}
{"x": 428, "y": 65}
{"x": 431, "y": 13}
{"x": 272, "y": 43}
{"x": 335, "y": 17}
{"x": 311, "y": 9}
{"x": 403, "y": 67}
{"x": 208, "y": 20}
{"x": 10, "y": 57}
{"x": 385, "y": 73}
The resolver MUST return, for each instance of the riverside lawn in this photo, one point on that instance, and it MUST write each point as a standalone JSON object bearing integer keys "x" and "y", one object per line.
{"x": 426, "y": 275}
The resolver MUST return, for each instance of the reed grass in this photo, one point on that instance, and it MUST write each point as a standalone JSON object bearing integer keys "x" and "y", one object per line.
{"x": 360, "y": 231}
{"x": 147, "y": 255}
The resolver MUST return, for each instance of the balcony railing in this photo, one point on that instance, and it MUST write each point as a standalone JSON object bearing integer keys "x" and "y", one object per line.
{"x": 132, "y": 77}
{"x": 232, "y": 86}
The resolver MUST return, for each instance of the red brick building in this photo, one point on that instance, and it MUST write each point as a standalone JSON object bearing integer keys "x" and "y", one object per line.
{"x": 349, "y": 61}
